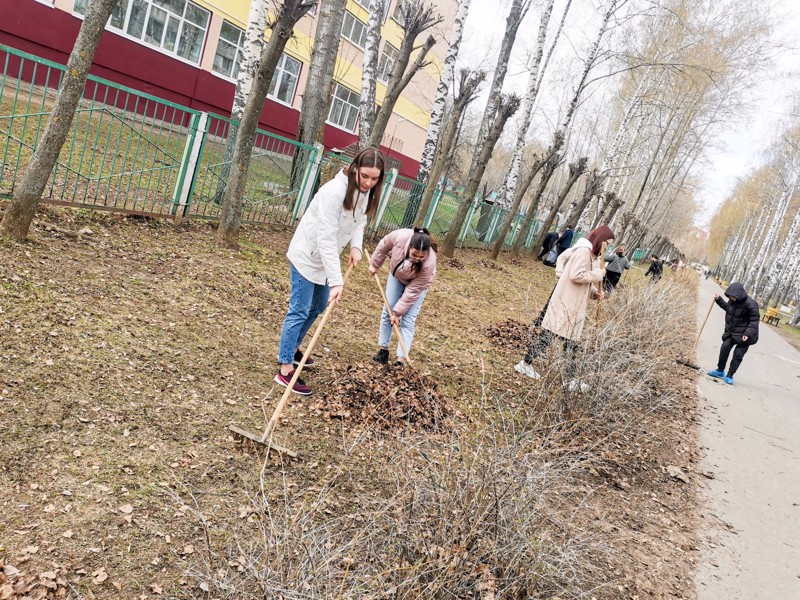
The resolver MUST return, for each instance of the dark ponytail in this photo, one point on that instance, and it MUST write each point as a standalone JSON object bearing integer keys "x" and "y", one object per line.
{"x": 422, "y": 240}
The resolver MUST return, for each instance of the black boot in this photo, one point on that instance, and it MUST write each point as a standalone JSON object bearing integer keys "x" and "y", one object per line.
{"x": 382, "y": 357}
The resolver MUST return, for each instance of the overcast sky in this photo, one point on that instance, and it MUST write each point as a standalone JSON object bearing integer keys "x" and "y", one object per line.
{"x": 735, "y": 152}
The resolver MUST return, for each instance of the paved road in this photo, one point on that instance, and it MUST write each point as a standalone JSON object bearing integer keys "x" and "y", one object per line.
{"x": 750, "y": 433}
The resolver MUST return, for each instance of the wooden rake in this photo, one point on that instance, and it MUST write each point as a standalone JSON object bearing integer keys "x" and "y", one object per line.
{"x": 265, "y": 439}
{"x": 602, "y": 266}
{"x": 388, "y": 309}
{"x": 689, "y": 363}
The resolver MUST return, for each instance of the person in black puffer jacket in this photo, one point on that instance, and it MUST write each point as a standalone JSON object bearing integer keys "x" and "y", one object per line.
{"x": 741, "y": 329}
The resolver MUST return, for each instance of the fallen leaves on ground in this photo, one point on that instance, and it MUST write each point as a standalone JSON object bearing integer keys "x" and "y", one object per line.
{"x": 388, "y": 398}
{"x": 509, "y": 334}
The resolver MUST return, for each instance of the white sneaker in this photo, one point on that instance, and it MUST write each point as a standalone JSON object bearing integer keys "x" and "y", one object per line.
{"x": 524, "y": 368}
{"x": 574, "y": 385}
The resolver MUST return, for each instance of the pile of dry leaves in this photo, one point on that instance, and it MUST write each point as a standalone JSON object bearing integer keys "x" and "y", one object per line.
{"x": 388, "y": 398}
{"x": 509, "y": 334}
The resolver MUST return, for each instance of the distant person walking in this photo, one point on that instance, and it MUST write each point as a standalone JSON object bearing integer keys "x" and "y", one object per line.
{"x": 656, "y": 269}
{"x": 547, "y": 244}
{"x": 566, "y": 312}
{"x": 741, "y": 330}
{"x": 565, "y": 239}
{"x": 616, "y": 265}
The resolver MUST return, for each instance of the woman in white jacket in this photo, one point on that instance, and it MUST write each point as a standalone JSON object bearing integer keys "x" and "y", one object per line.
{"x": 335, "y": 218}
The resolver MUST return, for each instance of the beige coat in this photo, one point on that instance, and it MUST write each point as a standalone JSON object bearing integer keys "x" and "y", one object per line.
{"x": 567, "y": 310}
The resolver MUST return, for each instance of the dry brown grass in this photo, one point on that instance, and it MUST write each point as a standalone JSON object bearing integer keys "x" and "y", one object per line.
{"x": 125, "y": 354}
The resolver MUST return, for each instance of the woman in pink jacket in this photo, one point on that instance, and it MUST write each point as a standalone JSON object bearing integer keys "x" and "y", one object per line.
{"x": 412, "y": 267}
{"x": 566, "y": 311}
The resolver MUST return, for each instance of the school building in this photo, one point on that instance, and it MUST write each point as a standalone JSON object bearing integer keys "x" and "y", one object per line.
{"x": 188, "y": 52}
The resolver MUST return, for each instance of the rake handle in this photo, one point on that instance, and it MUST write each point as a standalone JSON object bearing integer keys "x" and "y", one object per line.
{"x": 267, "y": 437}
{"x": 602, "y": 266}
{"x": 388, "y": 309}
{"x": 703, "y": 326}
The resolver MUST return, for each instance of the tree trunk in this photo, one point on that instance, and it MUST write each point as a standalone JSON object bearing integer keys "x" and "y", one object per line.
{"x": 593, "y": 186}
{"x": 516, "y": 14}
{"x": 506, "y": 196}
{"x": 442, "y": 90}
{"x": 230, "y": 220}
{"x": 369, "y": 72}
{"x": 576, "y": 169}
{"x": 19, "y": 214}
{"x": 772, "y": 235}
{"x": 251, "y": 53}
{"x": 547, "y": 173}
{"x": 506, "y": 107}
{"x": 432, "y": 139}
{"x": 781, "y": 264}
{"x": 467, "y": 90}
{"x": 393, "y": 93}
{"x": 560, "y": 135}
{"x": 313, "y": 111}
{"x": 520, "y": 192}
{"x": 418, "y": 17}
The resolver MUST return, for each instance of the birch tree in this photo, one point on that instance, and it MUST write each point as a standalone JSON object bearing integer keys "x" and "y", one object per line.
{"x": 418, "y": 16}
{"x": 286, "y": 17}
{"x": 517, "y": 12}
{"x": 19, "y": 214}
{"x": 442, "y": 90}
{"x": 558, "y": 140}
{"x": 437, "y": 114}
{"x": 505, "y": 107}
{"x": 250, "y": 53}
{"x": 506, "y": 195}
{"x": 369, "y": 72}
{"x": 466, "y": 92}
{"x": 781, "y": 268}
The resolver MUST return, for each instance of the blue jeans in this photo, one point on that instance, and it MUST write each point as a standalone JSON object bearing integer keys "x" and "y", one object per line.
{"x": 306, "y": 302}
{"x": 394, "y": 290}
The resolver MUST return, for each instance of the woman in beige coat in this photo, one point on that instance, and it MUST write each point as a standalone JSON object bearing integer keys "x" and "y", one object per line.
{"x": 566, "y": 312}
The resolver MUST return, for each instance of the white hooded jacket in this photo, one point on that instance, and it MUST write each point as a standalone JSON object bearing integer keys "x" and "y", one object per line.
{"x": 324, "y": 231}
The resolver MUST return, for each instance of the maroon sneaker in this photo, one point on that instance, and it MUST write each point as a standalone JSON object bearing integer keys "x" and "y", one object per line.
{"x": 299, "y": 386}
{"x": 298, "y": 356}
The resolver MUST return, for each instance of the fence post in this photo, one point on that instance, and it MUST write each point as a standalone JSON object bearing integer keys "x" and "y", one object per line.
{"x": 437, "y": 196}
{"x": 531, "y": 233}
{"x": 310, "y": 175}
{"x": 191, "y": 158}
{"x": 388, "y": 188}
{"x": 493, "y": 225}
{"x": 465, "y": 229}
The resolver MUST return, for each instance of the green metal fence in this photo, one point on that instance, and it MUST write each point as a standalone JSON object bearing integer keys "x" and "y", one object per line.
{"x": 278, "y": 168}
{"x": 134, "y": 152}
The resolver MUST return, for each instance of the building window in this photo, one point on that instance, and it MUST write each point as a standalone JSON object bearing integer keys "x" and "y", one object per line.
{"x": 344, "y": 108}
{"x": 229, "y": 50}
{"x": 354, "y": 29}
{"x": 176, "y": 26}
{"x": 230, "y": 53}
{"x": 386, "y": 64}
{"x": 284, "y": 80}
